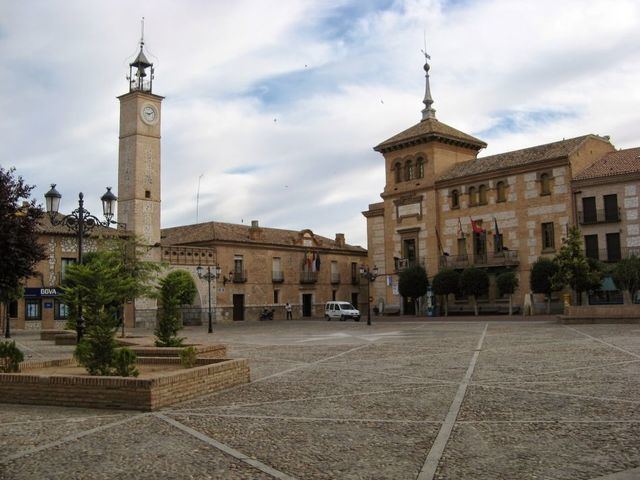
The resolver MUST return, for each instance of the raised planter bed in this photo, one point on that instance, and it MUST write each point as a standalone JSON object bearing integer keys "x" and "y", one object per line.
{"x": 150, "y": 391}
{"x": 590, "y": 314}
{"x": 51, "y": 335}
{"x": 203, "y": 351}
{"x": 66, "y": 338}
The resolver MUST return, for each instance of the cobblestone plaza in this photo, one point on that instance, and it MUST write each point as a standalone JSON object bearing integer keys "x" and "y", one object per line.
{"x": 400, "y": 399}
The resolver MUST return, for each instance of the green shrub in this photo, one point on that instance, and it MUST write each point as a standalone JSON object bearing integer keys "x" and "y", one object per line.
{"x": 188, "y": 357}
{"x": 10, "y": 357}
{"x": 177, "y": 288}
{"x": 97, "y": 348}
{"x": 124, "y": 363}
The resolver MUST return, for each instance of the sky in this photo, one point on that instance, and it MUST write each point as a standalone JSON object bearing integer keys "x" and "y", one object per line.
{"x": 278, "y": 104}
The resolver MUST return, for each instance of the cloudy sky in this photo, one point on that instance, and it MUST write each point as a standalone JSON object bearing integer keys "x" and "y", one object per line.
{"x": 279, "y": 103}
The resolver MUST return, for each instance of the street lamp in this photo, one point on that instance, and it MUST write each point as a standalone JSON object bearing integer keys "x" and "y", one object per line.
{"x": 210, "y": 275}
{"x": 80, "y": 222}
{"x": 369, "y": 276}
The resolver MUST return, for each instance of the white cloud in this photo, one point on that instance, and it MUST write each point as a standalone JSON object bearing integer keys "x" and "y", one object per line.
{"x": 338, "y": 77}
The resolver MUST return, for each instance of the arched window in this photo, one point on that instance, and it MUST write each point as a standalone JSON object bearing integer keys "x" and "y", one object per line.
{"x": 501, "y": 192}
{"x": 455, "y": 199}
{"x": 397, "y": 168}
{"x": 409, "y": 170}
{"x": 482, "y": 194}
{"x": 545, "y": 184}
{"x": 420, "y": 167}
{"x": 473, "y": 196}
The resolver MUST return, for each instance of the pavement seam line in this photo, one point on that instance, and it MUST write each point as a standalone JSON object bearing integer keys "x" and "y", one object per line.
{"x": 561, "y": 394}
{"x": 225, "y": 448}
{"x": 437, "y": 448}
{"x": 67, "y": 439}
{"x": 305, "y": 419}
{"x": 603, "y": 342}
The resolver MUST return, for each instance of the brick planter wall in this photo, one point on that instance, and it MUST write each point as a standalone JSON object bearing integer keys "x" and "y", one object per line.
{"x": 601, "y": 314}
{"x": 203, "y": 351}
{"x": 127, "y": 393}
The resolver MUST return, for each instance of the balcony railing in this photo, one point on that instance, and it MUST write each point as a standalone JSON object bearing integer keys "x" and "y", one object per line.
{"x": 402, "y": 263}
{"x": 488, "y": 259}
{"x": 335, "y": 278}
{"x": 308, "y": 277}
{"x": 277, "y": 276}
{"x": 239, "y": 276}
{"x": 610, "y": 255}
{"x": 599, "y": 216}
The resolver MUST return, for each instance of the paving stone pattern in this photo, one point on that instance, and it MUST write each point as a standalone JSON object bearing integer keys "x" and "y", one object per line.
{"x": 335, "y": 400}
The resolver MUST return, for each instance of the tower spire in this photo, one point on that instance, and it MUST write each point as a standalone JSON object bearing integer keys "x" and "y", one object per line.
{"x": 141, "y": 33}
{"x": 428, "y": 111}
{"x": 140, "y": 80}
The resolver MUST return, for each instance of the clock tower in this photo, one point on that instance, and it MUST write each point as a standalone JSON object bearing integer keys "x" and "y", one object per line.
{"x": 139, "y": 154}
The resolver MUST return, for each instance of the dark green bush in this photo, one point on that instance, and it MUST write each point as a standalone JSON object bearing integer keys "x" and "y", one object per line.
{"x": 188, "y": 357}
{"x": 124, "y": 363}
{"x": 10, "y": 357}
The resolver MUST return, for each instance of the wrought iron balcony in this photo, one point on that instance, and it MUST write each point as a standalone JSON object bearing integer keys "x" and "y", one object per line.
{"x": 335, "y": 278}
{"x": 488, "y": 259}
{"x": 593, "y": 217}
{"x": 277, "y": 276}
{"x": 611, "y": 255}
{"x": 308, "y": 277}
{"x": 239, "y": 276}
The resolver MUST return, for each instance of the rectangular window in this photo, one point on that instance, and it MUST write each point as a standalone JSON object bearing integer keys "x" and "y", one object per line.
{"x": 589, "y": 214}
{"x": 548, "y": 241}
{"x": 591, "y": 246}
{"x": 613, "y": 247}
{"x": 238, "y": 264}
{"x": 33, "y": 309}
{"x": 276, "y": 296}
{"x": 409, "y": 251}
{"x": 333, "y": 295}
{"x": 61, "y": 310}
{"x": 611, "y": 208}
{"x": 64, "y": 264}
{"x": 462, "y": 247}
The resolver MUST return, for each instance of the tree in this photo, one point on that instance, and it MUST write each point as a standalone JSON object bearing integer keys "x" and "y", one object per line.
{"x": 445, "y": 283}
{"x": 177, "y": 288}
{"x": 474, "y": 282}
{"x": 413, "y": 283}
{"x": 507, "y": 283}
{"x": 542, "y": 271}
{"x": 626, "y": 275}
{"x": 19, "y": 219}
{"x": 574, "y": 269}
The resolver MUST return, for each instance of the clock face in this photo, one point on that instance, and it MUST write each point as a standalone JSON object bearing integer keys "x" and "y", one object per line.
{"x": 149, "y": 114}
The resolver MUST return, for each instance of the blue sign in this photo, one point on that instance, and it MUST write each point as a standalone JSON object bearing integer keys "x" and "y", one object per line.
{"x": 42, "y": 292}
{"x": 48, "y": 305}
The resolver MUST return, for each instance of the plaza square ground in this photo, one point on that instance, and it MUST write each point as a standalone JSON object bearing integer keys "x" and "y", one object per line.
{"x": 401, "y": 399}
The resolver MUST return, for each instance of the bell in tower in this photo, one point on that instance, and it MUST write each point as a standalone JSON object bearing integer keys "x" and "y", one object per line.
{"x": 138, "y": 81}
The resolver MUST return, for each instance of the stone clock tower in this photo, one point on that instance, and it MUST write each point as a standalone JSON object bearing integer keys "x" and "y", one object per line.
{"x": 139, "y": 169}
{"x": 139, "y": 154}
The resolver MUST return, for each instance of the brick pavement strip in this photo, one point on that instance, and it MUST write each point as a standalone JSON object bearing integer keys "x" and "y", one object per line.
{"x": 437, "y": 449}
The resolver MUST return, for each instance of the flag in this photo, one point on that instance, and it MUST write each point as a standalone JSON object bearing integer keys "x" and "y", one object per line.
{"x": 439, "y": 243}
{"x": 497, "y": 237}
{"x": 475, "y": 227}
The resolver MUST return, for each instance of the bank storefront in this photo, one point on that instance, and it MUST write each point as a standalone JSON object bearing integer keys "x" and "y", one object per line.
{"x": 41, "y": 308}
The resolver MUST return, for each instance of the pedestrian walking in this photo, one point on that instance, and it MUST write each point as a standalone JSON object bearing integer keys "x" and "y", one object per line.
{"x": 287, "y": 309}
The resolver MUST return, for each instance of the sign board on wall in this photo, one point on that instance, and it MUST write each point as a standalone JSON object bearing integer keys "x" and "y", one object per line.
{"x": 408, "y": 210}
{"x": 42, "y": 292}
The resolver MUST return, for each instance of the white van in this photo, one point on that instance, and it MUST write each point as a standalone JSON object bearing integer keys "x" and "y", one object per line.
{"x": 341, "y": 311}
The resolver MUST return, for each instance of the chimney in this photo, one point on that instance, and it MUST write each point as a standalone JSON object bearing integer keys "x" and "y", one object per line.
{"x": 255, "y": 230}
{"x": 340, "y": 239}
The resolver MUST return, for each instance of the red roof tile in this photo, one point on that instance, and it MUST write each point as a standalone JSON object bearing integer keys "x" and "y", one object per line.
{"x": 613, "y": 163}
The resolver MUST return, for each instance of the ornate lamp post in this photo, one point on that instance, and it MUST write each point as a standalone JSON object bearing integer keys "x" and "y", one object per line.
{"x": 80, "y": 222}
{"x": 369, "y": 276}
{"x": 210, "y": 275}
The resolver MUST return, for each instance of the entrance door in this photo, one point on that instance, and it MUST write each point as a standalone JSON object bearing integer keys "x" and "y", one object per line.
{"x": 409, "y": 306}
{"x": 238, "y": 307}
{"x": 307, "y": 299}
{"x": 354, "y": 299}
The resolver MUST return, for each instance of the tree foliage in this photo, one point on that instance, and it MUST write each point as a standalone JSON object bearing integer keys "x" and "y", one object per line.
{"x": 474, "y": 282}
{"x": 574, "y": 269}
{"x": 19, "y": 244}
{"x": 626, "y": 275}
{"x": 10, "y": 357}
{"x": 542, "y": 271}
{"x": 445, "y": 283}
{"x": 177, "y": 288}
{"x": 413, "y": 283}
{"x": 507, "y": 283}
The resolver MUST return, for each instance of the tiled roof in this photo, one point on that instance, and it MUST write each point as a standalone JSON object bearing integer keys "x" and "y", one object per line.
{"x": 613, "y": 163}
{"x": 514, "y": 158}
{"x": 46, "y": 226}
{"x": 203, "y": 233}
{"x": 429, "y": 128}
